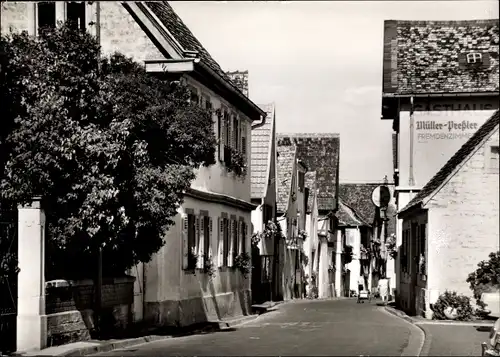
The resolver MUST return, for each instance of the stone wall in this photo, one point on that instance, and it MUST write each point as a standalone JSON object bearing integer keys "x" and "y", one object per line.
{"x": 70, "y": 309}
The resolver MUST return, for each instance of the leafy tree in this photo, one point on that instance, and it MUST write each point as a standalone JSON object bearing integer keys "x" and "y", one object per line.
{"x": 110, "y": 148}
{"x": 486, "y": 278}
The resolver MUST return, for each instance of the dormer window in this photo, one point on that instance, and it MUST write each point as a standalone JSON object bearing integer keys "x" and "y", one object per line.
{"x": 474, "y": 57}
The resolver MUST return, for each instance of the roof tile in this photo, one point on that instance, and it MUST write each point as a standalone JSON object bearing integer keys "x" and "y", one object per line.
{"x": 286, "y": 164}
{"x": 320, "y": 153}
{"x": 424, "y": 56}
{"x": 261, "y": 146}
{"x": 185, "y": 37}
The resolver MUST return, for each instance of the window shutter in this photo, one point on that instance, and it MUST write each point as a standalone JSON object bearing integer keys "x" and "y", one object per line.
{"x": 220, "y": 242}
{"x": 230, "y": 258}
{"x": 241, "y": 237}
{"x": 210, "y": 230}
{"x": 231, "y": 132}
{"x": 222, "y": 135}
{"x": 486, "y": 60}
{"x": 243, "y": 139}
{"x": 185, "y": 245}
{"x": 197, "y": 245}
{"x": 201, "y": 242}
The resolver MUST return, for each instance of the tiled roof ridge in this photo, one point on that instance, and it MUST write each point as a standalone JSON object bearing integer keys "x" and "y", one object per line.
{"x": 209, "y": 60}
{"x": 444, "y": 22}
{"x": 458, "y": 158}
{"x": 356, "y": 215}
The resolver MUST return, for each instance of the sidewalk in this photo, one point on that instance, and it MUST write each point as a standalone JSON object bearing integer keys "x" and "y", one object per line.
{"x": 449, "y": 338}
{"x": 84, "y": 348}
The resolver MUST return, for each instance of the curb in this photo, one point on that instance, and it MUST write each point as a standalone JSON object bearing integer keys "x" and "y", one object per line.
{"x": 438, "y": 322}
{"x": 113, "y": 346}
{"x": 424, "y": 351}
{"x": 116, "y": 345}
{"x": 424, "y": 348}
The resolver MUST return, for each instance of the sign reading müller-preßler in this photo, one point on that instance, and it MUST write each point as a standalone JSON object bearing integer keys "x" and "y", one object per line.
{"x": 441, "y": 130}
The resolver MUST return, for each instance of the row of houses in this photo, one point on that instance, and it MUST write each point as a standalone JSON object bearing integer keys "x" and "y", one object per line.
{"x": 291, "y": 180}
{"x": 441, "y": 92}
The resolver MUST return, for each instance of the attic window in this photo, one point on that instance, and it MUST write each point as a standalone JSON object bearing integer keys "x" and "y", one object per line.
{"x": 474, "y": 57}
{"x": 494, "y": 158}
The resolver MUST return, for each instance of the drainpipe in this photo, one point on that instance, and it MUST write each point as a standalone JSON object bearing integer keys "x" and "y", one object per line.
{"x": 411, "y": 180}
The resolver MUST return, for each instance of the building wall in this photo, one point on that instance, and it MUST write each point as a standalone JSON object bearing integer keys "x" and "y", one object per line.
{"x": 436, "y": 143}
{"x": 464, "y": 224}
{"x": 353, "y": 238}
{"x": 176, "y": 296}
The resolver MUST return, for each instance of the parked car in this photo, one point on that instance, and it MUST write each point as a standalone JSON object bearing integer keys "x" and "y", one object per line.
{"x": 493, "y": 347}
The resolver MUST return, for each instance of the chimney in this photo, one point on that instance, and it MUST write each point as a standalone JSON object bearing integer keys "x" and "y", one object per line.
{"x": 240, "y": 80}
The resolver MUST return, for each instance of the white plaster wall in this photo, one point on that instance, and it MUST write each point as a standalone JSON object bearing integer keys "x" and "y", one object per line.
{"x": 463, "y": 224}
{"x": 431, "y": 154}
{"x": 353, "y": 236}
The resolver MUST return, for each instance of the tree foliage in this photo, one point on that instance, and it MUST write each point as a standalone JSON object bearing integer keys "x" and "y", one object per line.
{"x": 486, "y": 278}
{"x": 109, "y": 148}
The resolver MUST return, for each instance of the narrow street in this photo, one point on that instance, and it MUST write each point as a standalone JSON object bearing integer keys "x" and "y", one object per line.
{"x": 306, "y": 328}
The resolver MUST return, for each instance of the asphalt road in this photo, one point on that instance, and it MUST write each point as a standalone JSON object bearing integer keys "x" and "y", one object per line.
{"x": 442, "y": 340}
{"x": 305, "y": 328}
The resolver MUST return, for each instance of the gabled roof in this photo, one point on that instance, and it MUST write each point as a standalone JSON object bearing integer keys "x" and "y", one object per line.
{"x": 320, "y": 153}
{"x": 183, "y": 35}
{"x": 262, "y": 139}
{"x": 359, "y": 197}
{"x": 310, "y": 183}
{"x": 180, "y": 34}
{"x": 490, "y": 126}
{"x": 348, "y": 217}
{"x": 424, "y": 57}
{"x": 286, "y": 166}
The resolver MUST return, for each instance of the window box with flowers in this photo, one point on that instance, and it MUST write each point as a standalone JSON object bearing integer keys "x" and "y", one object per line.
{"x": 267, "y": 238}
{"x": 243, "y": 262}
{"x": 391, "y": 246}
{"x": 236, "y": 162}
{"x": 302, "y": 234}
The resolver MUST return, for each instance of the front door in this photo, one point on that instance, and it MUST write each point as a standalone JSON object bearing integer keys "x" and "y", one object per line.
{"x": 413, "y": 269}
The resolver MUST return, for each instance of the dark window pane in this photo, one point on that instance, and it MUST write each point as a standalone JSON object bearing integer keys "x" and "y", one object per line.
{"x": 76, "y": 15}
{"x": 46, "y": 16}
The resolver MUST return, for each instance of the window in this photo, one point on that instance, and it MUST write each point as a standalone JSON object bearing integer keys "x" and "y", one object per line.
{"x": 189, "y": 241}
{"x": 225, "y": 252}
{"x": 236, "y": 133}
{"x": 301, "y": 181}
{"x": 234, "y": 241}
{"x": 193, "y": 95}
{"x": 243, "y": 236}
{"x": 206, "y": 230}
{"x": 422, "y": 249}
{"x": 474, "y": 57}
{"x": 493, "y": 159}
{"x": 208, "y": 103}
{"x": 46, "y": 16}
{"x": 76, "y": 14}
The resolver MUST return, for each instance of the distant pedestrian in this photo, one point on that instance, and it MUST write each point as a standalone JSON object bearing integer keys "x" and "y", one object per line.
{"x": 361, "y": 284}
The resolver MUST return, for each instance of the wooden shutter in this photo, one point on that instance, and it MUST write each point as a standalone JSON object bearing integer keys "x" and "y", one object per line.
{"x": 197, "y": 244}
{"x": 222, "y": 134}
{"x": 201, "y": 242}
{"x": 243, "y": 139}
{"x": 230, "y": 258}
{"x": 220, "y": 242}
{"x": 231, "y": 131}
{"x": 185, "y": 244}
{"x": 237, "y": 134}
{"x": 210, "y": 230}
{"x": 241, "y": 237}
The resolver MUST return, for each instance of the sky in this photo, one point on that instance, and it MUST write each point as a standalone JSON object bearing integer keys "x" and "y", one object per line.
{"x": 320, "y": 62}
